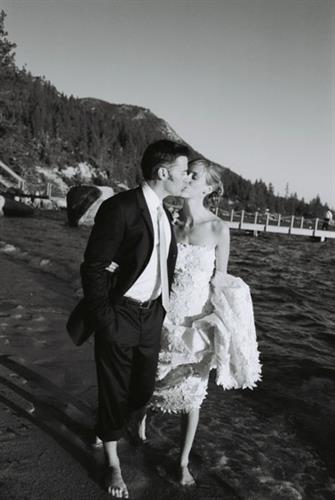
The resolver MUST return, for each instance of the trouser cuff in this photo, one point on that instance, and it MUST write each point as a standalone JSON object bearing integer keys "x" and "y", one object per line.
{"x": 110, "y": 435}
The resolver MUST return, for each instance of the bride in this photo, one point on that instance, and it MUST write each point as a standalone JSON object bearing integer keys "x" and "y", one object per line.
{"x": 210, "y": 322}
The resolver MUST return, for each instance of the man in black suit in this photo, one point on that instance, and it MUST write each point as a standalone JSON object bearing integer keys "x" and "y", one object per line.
{"x": 126, "y": 275}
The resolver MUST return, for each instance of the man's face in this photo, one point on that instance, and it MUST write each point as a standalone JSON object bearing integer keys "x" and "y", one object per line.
{"x": 177, "y": 176}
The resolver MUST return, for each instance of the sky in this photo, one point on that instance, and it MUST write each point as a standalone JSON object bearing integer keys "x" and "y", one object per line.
{"x": 248, "y": 83}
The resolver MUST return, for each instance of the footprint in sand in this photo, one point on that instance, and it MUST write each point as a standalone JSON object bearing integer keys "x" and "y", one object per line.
{"x": 168, "y": 469}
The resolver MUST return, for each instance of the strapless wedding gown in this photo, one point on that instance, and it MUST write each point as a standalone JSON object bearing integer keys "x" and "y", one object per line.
{"x": 210, "y": 325}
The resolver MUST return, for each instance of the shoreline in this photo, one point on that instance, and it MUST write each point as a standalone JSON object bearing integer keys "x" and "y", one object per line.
{"x": 272, "y": 443}
{"x": 48, "y": 409}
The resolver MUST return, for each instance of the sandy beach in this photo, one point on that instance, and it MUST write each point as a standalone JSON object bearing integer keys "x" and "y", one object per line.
{"x": 257, "y": 445}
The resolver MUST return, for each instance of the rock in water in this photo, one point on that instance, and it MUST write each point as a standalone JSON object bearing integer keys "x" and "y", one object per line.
{"x": 13, "y": 208}
{"x": 83, "y": 203}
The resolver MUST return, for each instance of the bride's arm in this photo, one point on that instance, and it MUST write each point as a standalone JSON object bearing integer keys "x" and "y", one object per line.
{"x": 222, "y": 248}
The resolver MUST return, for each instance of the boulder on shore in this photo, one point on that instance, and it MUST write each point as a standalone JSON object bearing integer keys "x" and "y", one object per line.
{"x": 13, "y": 208}
{"x": 83, "y": 203}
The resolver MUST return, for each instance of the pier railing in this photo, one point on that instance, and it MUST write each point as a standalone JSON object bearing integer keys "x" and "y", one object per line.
{"x": 276, "y": 223}
{"x": 11, "y": 178}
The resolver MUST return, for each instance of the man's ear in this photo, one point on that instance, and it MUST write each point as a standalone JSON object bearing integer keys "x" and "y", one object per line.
{"x": 162, "y": 173}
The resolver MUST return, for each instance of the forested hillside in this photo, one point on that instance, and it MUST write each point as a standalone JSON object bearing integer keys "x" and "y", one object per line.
{"x": 43, "y": 130}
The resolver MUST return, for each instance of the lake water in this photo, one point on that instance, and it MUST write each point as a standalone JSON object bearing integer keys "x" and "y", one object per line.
{"x": 277, "y": 441}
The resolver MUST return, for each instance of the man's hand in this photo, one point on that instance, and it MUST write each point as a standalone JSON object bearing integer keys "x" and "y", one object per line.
{"x": 112, "y": 267}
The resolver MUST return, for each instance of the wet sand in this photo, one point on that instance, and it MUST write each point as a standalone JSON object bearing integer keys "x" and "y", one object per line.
{"x": 268, "y": 444}
{"x": 48, "y": 390}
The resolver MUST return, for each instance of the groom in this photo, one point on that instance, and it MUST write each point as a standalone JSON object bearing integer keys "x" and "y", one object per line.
{"x": 126, "y": 275}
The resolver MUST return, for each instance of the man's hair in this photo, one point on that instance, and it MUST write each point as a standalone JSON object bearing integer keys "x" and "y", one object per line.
{"x": 161, "y": 154}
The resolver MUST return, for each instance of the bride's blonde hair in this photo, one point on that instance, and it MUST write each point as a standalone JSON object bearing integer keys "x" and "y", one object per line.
{"x": 213, "y": 174}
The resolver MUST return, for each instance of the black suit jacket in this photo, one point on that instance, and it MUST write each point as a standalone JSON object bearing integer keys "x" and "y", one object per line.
{"x": 122, "y": 233}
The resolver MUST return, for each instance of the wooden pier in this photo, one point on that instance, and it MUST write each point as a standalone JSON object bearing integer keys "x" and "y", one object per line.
{"x": 276, "y": 223}
{"x": 16, "y": 181}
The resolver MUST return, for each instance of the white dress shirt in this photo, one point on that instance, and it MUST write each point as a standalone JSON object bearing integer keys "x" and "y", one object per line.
{"x": 148, "y": 284}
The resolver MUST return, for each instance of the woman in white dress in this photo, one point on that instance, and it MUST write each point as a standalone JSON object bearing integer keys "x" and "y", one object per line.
{"x": 210, "y": 323}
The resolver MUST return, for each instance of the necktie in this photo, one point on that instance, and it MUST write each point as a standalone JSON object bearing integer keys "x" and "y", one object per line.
{"x": 163, "y": 259}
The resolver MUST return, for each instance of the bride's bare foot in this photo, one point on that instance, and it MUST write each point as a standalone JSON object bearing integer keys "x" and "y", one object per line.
{"x": 115, "y": 484}
{"x": 97, "y": 443}
{"x": 186, "y": 478}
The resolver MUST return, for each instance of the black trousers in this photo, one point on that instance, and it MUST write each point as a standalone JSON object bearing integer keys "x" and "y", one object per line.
{"x": 126, "y": 359}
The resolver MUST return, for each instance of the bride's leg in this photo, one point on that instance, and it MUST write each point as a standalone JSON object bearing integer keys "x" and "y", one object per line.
{"x": 142, "y": 428}
{"x": 189, "y": 424}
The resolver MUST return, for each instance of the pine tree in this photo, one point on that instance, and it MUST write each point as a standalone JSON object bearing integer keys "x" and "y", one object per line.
{"x": 287, "y": 194}
{"x": 7, "y": 54}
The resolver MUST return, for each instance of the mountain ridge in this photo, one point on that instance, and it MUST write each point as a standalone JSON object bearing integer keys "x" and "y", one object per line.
{"x": 42, "y": 130}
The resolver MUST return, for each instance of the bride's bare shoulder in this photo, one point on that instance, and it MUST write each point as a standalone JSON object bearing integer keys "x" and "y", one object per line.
{"x": 219, "y": 226}
{"x": 220, "y": 230}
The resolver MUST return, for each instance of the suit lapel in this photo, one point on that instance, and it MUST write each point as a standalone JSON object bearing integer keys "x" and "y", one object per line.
{"x": 173, "y": 238}
{"x": 145, "y": 211}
